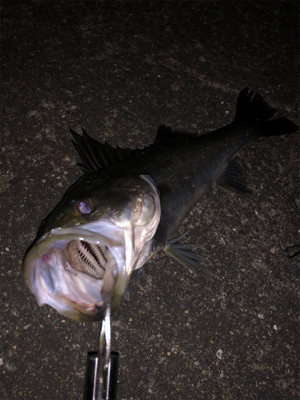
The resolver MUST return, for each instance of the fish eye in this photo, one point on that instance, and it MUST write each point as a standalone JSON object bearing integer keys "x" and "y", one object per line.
{"x": 85, "y": 206}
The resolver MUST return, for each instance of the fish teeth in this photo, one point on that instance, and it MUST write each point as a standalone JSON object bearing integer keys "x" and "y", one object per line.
{"x": 89, "y": 258}
{"x": 99, "y": 252}
{"x": 88, "y": 262}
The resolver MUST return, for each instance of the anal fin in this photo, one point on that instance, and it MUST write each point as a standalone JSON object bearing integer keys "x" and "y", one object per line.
{"x": 183, "y": 254}
{"x": 233, "y": 181}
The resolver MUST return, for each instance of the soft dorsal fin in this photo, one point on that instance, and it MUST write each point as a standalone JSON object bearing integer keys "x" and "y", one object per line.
{"x": 96, "y": 155}
{"x": 166, "y": 135}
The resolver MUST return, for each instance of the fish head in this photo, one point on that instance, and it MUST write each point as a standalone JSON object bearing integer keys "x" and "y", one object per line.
{"x": 87, "y": 248}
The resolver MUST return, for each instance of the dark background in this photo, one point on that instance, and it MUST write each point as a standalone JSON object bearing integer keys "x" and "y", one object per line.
{"x": 120, "y": 69}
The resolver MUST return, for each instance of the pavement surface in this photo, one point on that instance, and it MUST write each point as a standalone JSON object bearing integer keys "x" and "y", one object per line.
{"x": 120, "y": 69}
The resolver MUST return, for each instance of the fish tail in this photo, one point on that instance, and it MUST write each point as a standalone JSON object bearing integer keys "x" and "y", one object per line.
{"x": 255, "y": 111}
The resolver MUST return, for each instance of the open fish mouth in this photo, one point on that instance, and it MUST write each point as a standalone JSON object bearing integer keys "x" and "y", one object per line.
{"x": 86, "y": 256}
{"x": 89, "y": 258}
{"x": 74, "y": 270}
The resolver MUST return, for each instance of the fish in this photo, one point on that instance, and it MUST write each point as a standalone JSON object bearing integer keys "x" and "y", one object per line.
{"x": 129, "y": 203}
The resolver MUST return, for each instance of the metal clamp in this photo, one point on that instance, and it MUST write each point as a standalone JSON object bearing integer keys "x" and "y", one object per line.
{"x": 102, "y": 366}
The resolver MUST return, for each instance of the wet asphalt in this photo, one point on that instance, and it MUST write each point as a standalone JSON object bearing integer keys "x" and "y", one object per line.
{"x": 120, "y": 69}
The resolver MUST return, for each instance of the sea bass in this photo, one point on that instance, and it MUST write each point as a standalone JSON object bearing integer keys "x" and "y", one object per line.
{"x": 128, "y": 205}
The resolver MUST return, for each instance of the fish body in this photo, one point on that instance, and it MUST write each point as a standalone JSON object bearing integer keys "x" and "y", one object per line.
{"x": 136, "y": 198}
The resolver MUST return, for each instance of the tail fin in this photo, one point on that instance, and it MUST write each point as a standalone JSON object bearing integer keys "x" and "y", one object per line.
{"x": 256, "y": 111}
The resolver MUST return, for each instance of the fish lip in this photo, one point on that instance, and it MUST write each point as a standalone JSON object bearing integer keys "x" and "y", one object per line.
{"x": 43, "y": 244}
{"x": 60, "y": 237}
{"x": 77, "y": 234}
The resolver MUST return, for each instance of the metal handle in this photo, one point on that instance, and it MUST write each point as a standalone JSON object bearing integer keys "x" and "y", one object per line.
{"x": 90, "y": 390}
{"x": 102, "y": 365}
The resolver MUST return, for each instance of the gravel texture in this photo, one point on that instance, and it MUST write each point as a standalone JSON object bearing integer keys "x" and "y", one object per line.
{"x": 120, "y": 69}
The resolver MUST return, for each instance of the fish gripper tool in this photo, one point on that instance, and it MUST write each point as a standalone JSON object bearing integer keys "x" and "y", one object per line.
{"x": 102, "y": 365}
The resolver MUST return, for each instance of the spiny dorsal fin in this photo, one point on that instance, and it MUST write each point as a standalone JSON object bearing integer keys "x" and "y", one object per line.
{"x": 96, "y": 155}
{"x": 166, "y": 135}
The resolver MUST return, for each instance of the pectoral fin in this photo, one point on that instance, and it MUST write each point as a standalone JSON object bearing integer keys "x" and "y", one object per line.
{"x": 183, "y": 254}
